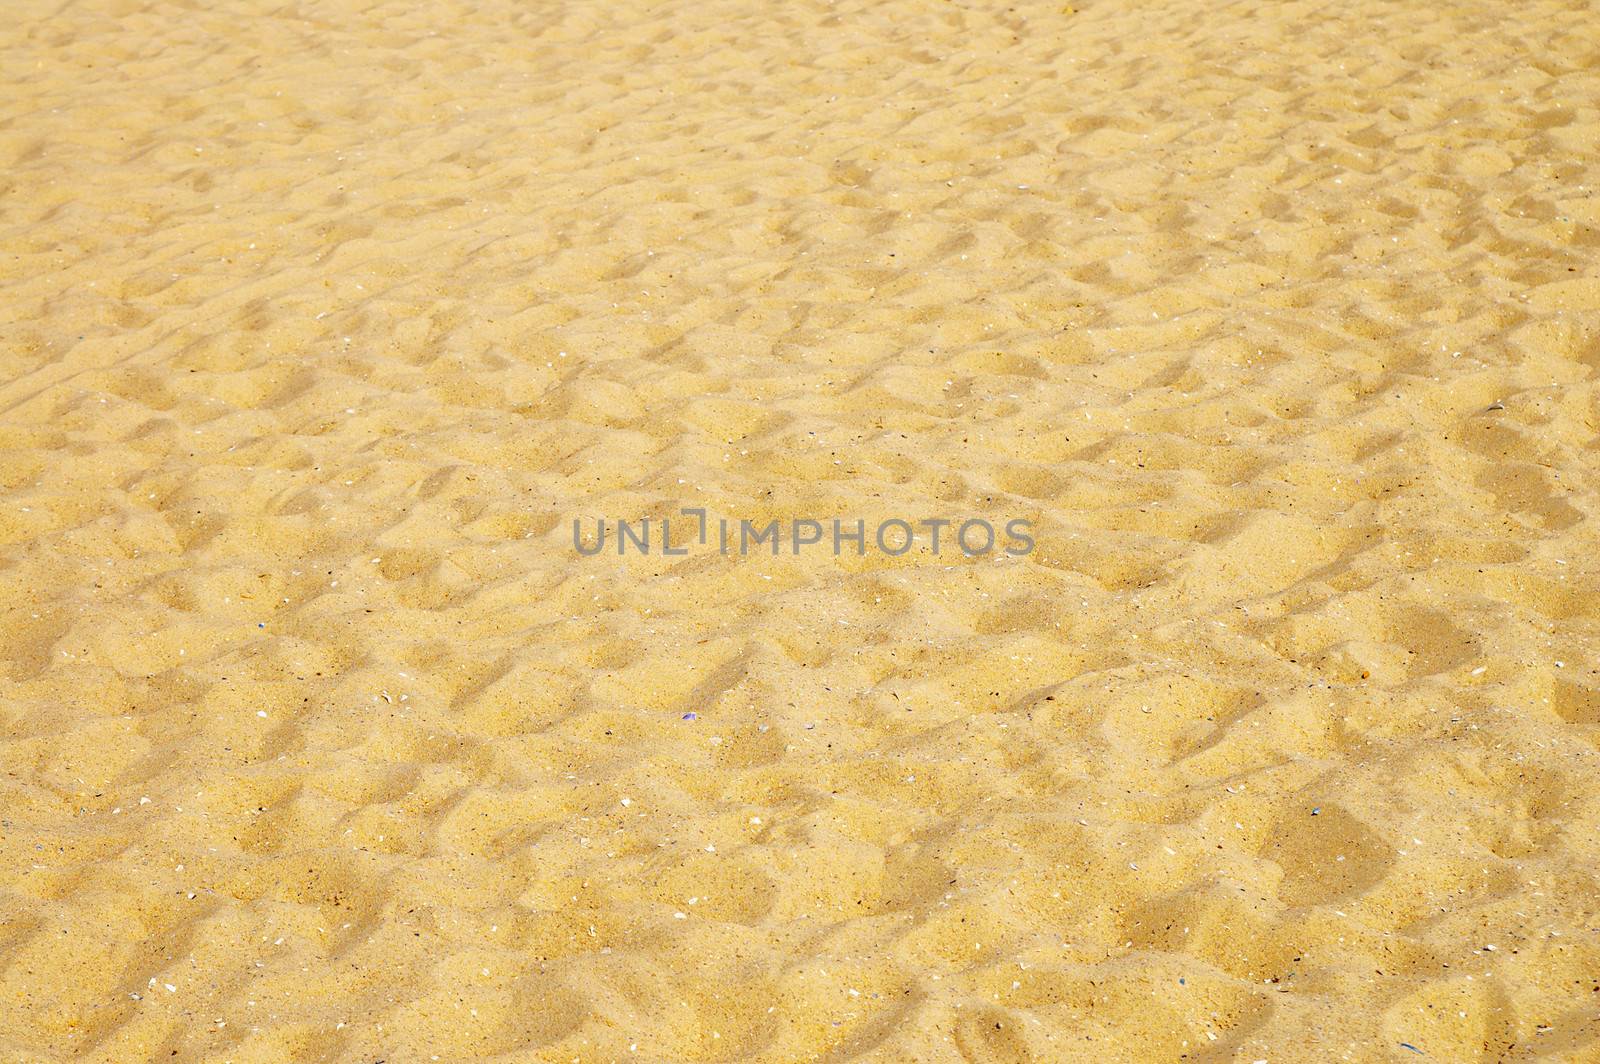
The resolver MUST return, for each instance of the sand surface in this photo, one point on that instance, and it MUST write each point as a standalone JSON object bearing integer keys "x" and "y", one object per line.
{"x": 321, "y": 321}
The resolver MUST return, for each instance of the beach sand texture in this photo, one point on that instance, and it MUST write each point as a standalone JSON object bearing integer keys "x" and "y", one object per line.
{"x": 321, "y": 321}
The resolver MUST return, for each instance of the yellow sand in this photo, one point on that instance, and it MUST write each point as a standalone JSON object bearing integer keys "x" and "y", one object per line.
{"x": 323, "y": 320}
